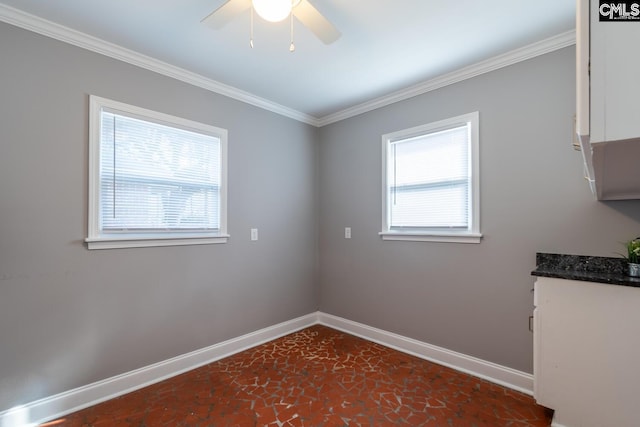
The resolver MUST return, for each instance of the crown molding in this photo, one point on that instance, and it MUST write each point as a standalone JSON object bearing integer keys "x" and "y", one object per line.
{"x": 518, "y": 55}
{"x": 59, "y": 32}
{"x": 64, "y": 34}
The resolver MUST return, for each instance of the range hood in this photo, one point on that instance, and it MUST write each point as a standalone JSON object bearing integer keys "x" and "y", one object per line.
{"x": 612, "y": 168}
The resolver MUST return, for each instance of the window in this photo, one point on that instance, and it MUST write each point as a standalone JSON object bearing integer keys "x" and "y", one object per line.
{"x": 154, "y": 179}
{"x": 430, "y": 182}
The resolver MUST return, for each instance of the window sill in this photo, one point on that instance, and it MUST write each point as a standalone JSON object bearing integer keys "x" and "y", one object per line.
{"x": 432, "y": 237}
{"x": 141, "y": 241}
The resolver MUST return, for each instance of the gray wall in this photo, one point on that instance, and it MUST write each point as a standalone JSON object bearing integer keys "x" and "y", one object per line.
{"x": 70, "y": 316}
{"x": 474, "y": 299}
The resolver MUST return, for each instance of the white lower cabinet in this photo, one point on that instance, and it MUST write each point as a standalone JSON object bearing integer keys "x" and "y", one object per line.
{"x": 587, "y": 352}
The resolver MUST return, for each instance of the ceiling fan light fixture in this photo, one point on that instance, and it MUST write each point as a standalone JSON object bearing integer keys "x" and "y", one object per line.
{"x": 272, "y": 10}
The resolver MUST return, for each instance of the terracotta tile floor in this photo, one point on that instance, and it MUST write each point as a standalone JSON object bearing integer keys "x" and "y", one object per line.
{"x": 317, "y": 377}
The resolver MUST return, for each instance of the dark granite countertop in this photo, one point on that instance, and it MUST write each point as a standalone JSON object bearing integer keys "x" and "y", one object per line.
{"x": 584, "y": 268}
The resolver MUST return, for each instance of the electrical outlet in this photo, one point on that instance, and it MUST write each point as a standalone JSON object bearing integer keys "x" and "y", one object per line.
{"x": 254, "y": 234}
{"x": 347, "y": 232}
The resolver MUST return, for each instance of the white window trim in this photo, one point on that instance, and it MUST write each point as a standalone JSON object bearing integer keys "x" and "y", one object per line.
{"x": 471, "y": 235}
{"x": 98, "y": 240}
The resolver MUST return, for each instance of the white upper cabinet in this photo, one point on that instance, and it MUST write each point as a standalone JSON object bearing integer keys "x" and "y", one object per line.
{"x": 608, "y": 100}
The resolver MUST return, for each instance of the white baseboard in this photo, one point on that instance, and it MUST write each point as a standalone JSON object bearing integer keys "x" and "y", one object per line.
{"x": 56, "y": 406}
{"x": 49, "y": 408}
{"x": 511, "y": 378}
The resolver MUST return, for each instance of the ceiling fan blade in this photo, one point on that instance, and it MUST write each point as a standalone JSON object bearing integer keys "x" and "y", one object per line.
{"x": 225, "y": 13}
{"x": 318, "y": 24}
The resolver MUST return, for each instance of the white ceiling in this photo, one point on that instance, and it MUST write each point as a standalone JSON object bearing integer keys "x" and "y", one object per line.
{"x": 385, "y": 45}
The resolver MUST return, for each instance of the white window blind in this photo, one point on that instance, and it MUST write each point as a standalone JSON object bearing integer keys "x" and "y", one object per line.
{"x": 430, "y": 183}
{"x": 429, "y": 180}
{"x": 155, "y": 179}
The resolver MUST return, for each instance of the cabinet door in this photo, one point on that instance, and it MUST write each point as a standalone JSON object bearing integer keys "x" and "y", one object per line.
{"x": 615, "y": 78}
{"x": 586, "y": 355}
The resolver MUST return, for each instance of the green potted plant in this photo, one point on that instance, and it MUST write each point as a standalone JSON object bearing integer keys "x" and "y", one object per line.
{"x": 633, "y": 257}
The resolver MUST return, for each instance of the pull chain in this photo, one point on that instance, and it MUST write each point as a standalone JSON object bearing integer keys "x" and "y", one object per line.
{"x": 115, "y": 164}
{"x": 292, "y": 47}
{"x": 251, "y": 33}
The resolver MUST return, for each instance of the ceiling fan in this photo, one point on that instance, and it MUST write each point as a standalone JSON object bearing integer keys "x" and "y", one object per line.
{"x": 276, "y": 11}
